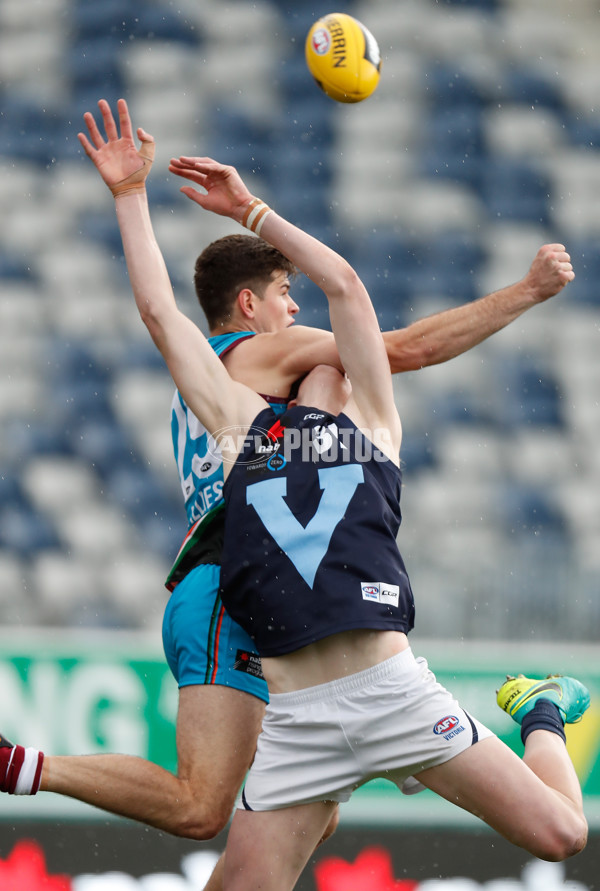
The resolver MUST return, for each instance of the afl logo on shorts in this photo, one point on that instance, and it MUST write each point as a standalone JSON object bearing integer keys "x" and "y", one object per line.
{"x": 450, "y": 722}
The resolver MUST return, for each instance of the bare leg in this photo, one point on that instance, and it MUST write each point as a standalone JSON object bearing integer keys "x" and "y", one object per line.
{"x": 217, "y": 728}
{"x": 546, "y": 755}
{"x": 535, "y": 803}
{"x": 215, "y": 883}
{"x": 269, "y": 849}
{"x": 216, "y": 880}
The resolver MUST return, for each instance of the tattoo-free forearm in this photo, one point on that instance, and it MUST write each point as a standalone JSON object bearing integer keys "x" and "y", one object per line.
{"x": 146, "y": 267}
{"x": 447, "y": 334}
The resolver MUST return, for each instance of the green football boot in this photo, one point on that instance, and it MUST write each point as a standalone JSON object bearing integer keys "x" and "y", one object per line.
{"x": 517, "y": 696}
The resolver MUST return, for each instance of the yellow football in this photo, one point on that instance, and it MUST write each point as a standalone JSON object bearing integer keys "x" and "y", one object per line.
{"x": 343, "y": 57}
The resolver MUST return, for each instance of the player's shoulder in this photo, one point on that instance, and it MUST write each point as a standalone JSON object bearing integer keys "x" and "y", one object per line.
{"x": 282, "y": 341}
{"x": 292, "y": 332}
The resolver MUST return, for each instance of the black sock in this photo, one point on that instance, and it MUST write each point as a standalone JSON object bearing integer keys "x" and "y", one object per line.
{"x": 543, "y": 716}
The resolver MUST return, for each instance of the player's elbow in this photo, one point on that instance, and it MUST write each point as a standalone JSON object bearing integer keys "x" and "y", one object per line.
{"x": 149, "y": 316}
{"x": 402, "y": 359}
{"x": 158, "y": 324}
{"x": 343, "y": 282}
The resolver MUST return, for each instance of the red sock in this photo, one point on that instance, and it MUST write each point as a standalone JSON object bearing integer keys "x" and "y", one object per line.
{"x": 20, "y": 770}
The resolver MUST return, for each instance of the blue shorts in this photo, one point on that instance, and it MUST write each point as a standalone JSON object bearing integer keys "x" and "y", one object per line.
{"x": 203, "y": 645}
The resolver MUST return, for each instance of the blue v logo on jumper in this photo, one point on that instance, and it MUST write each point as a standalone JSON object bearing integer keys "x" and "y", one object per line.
{"x": 305, "y": 545}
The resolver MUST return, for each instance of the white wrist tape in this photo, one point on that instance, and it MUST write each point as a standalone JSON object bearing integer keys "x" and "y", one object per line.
{"x": 29, "y": 778}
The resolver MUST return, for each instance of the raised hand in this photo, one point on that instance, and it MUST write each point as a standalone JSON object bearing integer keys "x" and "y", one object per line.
{"x": 225, "y": 192}
{"x": 122, "y": 166}
{"x": 550, "y": 271}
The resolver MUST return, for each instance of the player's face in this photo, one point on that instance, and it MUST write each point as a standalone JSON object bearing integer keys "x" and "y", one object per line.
{"x": 276, "y": 310}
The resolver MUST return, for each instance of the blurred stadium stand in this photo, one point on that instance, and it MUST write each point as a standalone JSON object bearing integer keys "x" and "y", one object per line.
{"x": 481, "y": 143}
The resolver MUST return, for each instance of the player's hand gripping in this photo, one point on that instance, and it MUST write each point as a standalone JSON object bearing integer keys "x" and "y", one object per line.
{"x": 122, "y": 166}
{"x": 550, "y": 271}
{"x": 225, "y": 192}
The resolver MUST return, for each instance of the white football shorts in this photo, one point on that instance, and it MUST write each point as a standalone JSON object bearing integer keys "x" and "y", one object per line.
{"x": 321, "y": 743}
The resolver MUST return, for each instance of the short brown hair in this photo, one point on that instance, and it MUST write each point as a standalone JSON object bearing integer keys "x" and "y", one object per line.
{"x": 229, "y": 264}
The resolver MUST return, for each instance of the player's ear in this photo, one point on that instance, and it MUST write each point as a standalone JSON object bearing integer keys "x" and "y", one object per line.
{"x": 246, "y": 300}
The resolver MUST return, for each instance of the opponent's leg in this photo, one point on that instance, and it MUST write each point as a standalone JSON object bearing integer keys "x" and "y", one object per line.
{"x": 217, "y": 729}
{"x": 219, "y": 718}
{"x": 269, "y": 849}
{"x": 216, "y": 880}
{"x": 536, "y": 802}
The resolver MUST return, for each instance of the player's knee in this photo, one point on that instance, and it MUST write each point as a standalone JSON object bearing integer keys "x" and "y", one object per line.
{"x": 578, "y": 839}
{"x": 566, "y": 841}
{"x": 331, "y": 826}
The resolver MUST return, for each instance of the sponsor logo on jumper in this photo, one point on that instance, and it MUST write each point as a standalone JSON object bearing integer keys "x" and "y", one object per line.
{"x": 370, "y": 592}
{"x": 277, "y": 431}
{"x": 249, "y": 663}
{"x": 276, "y": 462}
{"x": 448, "y": 727}
{"x": 266, "y": 448}
{"x": 203, "y": 466}
{"x": 380, "y": 592}
{"x": 313, "y": 416}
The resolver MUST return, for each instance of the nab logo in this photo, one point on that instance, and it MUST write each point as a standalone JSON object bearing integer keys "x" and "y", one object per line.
{"x": 450, "y": 722}
{"x": 267, "y": 448}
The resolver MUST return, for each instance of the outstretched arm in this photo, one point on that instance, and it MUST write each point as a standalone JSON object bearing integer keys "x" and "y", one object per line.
{"x": 447, "y": 334}
{"x": 353, "y": 318}
{"x": 196, "y": 370}
{"x": 428, "y": 341}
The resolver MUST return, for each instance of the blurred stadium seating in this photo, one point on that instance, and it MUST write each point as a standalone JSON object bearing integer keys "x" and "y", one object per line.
{"x": 481, "y": 143}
